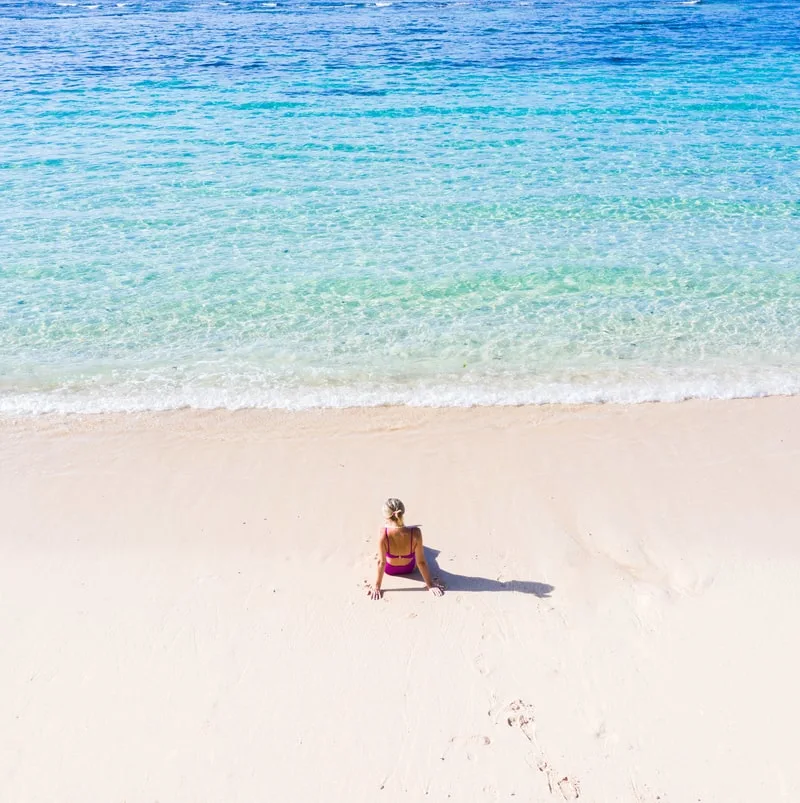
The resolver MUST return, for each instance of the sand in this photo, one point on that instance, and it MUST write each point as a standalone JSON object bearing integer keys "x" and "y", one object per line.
{"x": 184, "y": 614}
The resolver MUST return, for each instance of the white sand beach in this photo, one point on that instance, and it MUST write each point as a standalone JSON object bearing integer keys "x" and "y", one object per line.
{"x": 184, "y": 614}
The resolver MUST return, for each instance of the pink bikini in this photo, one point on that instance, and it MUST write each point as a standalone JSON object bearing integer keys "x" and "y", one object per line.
{"x": 409, "y": 567}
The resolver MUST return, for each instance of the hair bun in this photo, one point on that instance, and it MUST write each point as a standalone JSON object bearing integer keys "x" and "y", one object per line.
{"x": 394, "y": 508}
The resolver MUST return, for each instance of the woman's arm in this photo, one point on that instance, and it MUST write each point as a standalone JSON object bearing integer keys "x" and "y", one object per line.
{"x": 375, "y": 591}
{"x": 419, "y": 554}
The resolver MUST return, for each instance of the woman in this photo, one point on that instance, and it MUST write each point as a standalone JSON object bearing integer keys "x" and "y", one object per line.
{"x": 400, "y": 549}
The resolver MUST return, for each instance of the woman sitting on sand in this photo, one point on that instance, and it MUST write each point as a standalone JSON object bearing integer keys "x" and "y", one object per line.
{"x": 400, "y": 549}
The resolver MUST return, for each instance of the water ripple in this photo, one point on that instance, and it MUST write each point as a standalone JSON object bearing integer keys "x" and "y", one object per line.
{"x": 295, "y": 204}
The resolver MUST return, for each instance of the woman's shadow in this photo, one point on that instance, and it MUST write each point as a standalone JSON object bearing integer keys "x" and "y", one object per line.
{"x": 465, "y": 582}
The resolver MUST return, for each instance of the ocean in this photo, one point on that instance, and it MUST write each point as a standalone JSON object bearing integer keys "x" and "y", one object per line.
{"x": 326, "y": 204}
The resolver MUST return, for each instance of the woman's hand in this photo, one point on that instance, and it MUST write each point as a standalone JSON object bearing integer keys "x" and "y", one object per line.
{"x": 437, "y": 591}
{"x": 375, "y": 593}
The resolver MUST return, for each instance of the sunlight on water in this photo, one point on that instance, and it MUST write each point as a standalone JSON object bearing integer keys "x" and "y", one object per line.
{"x": 302, "y": 204}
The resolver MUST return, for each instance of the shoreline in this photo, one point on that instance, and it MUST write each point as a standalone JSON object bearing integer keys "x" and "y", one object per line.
{"x": 105, "y": 416}
{"x": 420, "y": 398}
{"x": 186, "y": 612}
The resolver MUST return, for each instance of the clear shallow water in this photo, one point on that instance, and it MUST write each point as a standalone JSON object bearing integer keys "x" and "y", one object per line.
{"x": 301, "y": 204}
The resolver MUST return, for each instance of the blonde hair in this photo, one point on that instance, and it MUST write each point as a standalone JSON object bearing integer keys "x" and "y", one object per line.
{"x": 393, "y": 509}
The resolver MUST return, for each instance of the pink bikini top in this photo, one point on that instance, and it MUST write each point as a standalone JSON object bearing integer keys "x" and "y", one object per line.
{"x": 389, "y": 554}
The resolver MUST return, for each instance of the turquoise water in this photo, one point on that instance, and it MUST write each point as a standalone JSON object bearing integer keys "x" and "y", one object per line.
{"x": 446, "y": 203}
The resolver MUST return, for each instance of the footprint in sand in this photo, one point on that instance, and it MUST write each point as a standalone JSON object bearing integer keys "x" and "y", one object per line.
{"x": 570, "y": 790}
{"x": 465, "y": 746}
{"x": 519, "y": 714}
{"x": 480, "y": 664}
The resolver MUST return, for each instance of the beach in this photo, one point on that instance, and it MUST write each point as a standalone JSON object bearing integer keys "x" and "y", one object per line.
{"x": 185, "y": 615}
{"x": 530, "y": 267}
